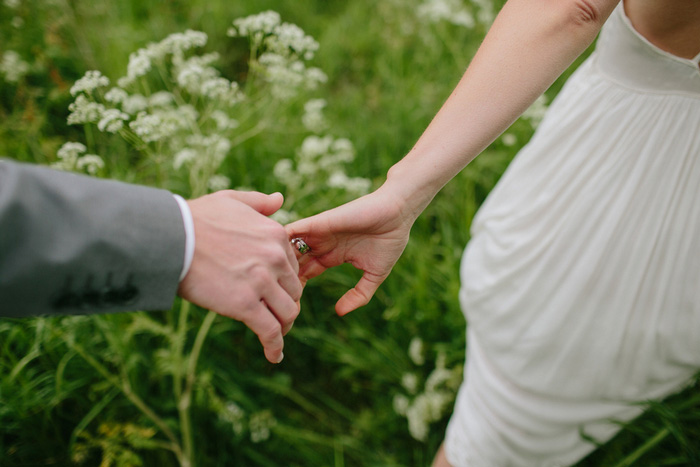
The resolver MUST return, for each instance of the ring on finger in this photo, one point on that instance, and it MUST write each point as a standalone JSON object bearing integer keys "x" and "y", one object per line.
{"x": 300, "y": 245}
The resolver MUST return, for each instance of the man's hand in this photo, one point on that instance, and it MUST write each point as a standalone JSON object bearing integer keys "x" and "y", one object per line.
{"x": 243, "y": 265}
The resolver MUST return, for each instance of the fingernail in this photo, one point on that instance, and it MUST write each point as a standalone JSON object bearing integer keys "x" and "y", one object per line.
{"x": 281, "y": 358}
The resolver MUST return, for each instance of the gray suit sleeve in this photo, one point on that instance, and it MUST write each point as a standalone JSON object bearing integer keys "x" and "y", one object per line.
{"x": 75, "y": 244}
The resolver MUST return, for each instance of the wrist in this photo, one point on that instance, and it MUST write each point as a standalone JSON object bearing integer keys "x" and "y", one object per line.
{"x": 412, "y": 193}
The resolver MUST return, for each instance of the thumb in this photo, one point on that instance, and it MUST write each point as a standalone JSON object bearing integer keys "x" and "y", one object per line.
{"x": 264, "y": 204}
{"x": 358, "y": 296}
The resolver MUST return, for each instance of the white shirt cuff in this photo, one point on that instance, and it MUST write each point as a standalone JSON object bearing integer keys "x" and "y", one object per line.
{"x": 189, "y": 234}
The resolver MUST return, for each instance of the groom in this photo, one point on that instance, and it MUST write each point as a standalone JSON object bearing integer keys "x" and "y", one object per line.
{"x": 76, "y": 244}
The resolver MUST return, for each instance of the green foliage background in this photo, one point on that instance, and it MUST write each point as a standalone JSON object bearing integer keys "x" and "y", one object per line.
{"x": 79, "y": 390}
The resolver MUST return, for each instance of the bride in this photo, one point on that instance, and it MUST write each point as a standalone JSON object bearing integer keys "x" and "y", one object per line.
{"x": 580, "y": 282}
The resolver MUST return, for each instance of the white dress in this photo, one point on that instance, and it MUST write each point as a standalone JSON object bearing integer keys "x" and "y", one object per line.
{"x": 581, "y": 283}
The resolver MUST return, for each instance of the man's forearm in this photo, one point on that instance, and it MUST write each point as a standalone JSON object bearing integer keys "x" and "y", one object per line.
{"x": 76, "y": 244}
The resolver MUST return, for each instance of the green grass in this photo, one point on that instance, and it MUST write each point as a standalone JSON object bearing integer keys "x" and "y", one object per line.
{"x": 105, "y": 389}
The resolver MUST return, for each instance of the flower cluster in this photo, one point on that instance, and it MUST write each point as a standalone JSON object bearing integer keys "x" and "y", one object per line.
{"x": 313, "y": 118}
{"x": 72, "y": 157}
{"x": 456, "y": 12}
{"x": 280, "y": 50}
{"x": 423, "y": 408}
{"x": 535, "y": 113}
{"x": 88, "y": 83}
{"x": 452, "y": 11}
{"x": 13, "y": 67}
{"x": 175, "y": 45}
{"x": 174, "y": 105}
{"x": 318, "y": 170}
{"x": 259, "y": 424}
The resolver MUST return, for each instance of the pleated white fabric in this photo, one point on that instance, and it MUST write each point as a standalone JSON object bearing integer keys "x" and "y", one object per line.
{"x": 581, "y": 283}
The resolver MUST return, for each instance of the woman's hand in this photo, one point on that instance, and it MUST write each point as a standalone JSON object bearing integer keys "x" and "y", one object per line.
{"x": 370, "y": 233}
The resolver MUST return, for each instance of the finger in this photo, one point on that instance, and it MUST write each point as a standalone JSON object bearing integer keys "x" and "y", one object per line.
{"x": 298, "y": 228}
{"x": 311, "y": 269}
{"x": 264, "y": 204}
{"x": 282, "y": 306}
{"x": 291, "y": 284}
{"x": 293, "y": 256}
{"x": 300, "y": 247}
{"x": 269, "y": 331}
{"x": 360, "y": 295}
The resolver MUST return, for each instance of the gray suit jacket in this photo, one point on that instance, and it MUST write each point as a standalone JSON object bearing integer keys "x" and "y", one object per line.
{"x": 76, "y": 244}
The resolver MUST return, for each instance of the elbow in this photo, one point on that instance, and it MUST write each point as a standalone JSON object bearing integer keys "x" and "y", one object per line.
{"x": 581, "y": 18}
{"x": 587, "y": 13}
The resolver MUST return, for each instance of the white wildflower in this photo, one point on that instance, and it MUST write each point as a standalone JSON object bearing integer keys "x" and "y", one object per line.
{"x": 358, "y": 185}
{"x": 401, "y": 404}
{"x": 180, "y": 42}
{"x": 84, "y": 110}
{"x": 116, "y": 95}
{"x": 290, "y": 37}
{"x": 191, "y": 76}
{"x": 264, "y": 23}
{"x": 452, "y": 11}
{"x": 17, "y": 22}
{"x": 260, "y": 424}
{"x": 219, "y": 182}
{"x": 134, "y": 104}
{"x": 222, "y": 90}
{"x": 416, "y": 414}
{"x": 150, "y": 127}
{"x": 183, "y": 157}
{"x": 90, "y": 163}
{"x": 314, "y": 146}
{"x": 92, "y": 80}
{"x": 509, "y": 139}
{"x": 161, "y": 99}
{"x": 214, "y": 147}
{"x": 314, "y": 77}
{"x": 184, "y": 116}
{"x": 71, "y": 151}
{"x": 233, "y": 414}
{"x": 313, "y": 118}
{"x": 410, "y": 382}
{"x": 344, "y": 150}
{"x": 112, "y": 120}
{"x": 12, "y": 4}
{"x": 202, "y": 61}
{"x": 284, "y": 217}
{"x": 287, "y": 76}
{"x": 139, "y": 65}
{"x": 338, "y": 180}
{"x": 487, "y": 12}
{"x": 283, "y": 169}
{"x": 68, "y": 155}
{"x": 223, "y": 121}
{"x": 437, "y": 377}
{"x": 13, "y": 67}
{"x": 535, "y": 113}
{"x": 415, "y": 351}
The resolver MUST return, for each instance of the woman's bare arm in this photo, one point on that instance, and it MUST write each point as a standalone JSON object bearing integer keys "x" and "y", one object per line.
{"x": 529, "y": 45}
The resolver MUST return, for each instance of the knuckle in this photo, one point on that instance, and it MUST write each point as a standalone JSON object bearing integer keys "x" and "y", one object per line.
{"x": 276, "y": 232}
{"x": 298, "y": 291}
{"x": 247, "y": 301}
{"x": 260, "y": 277}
